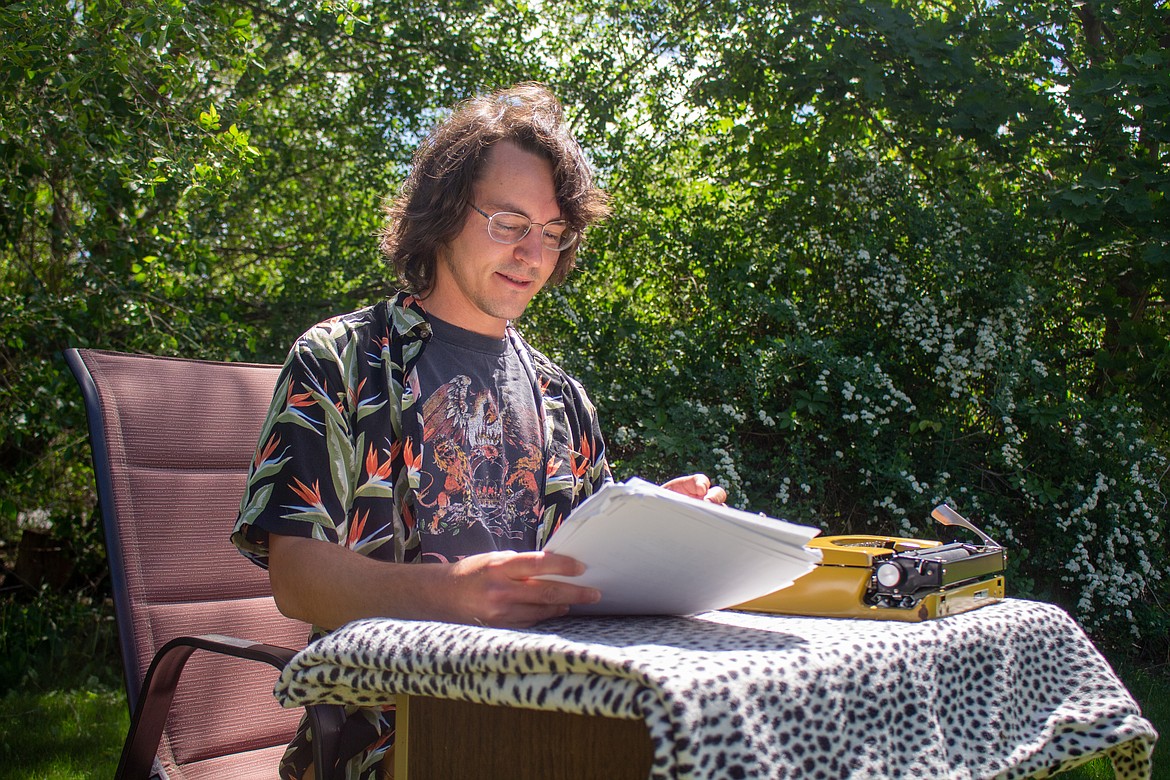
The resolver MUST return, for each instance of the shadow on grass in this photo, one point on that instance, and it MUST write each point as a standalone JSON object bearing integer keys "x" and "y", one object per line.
{"x": 62, "y": 735}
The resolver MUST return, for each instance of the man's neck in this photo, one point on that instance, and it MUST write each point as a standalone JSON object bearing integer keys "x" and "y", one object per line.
{"x": 463, "y": 315}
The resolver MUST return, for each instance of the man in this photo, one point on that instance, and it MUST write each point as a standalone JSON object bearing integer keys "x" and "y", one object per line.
{"x": 424, "y": 429}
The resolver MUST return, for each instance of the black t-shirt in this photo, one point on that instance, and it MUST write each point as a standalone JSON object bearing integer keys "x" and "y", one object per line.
{"x": 482, "y": 447}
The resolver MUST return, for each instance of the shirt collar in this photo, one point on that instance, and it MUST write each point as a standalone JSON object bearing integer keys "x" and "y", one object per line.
{"x": 408, "y": 318}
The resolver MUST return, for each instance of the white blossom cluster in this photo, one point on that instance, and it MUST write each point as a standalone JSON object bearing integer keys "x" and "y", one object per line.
{"x": 1115, "y": 520}
{"x": 982, "y": 355}
{"x": 39, "y": 519}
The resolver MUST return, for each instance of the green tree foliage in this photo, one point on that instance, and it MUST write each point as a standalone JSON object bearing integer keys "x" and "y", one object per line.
{"x": 885, "y": 262}
{"x": 865, "y": 257}
{"x": 1060, "y": 111}
{"x": 199, "y": 178}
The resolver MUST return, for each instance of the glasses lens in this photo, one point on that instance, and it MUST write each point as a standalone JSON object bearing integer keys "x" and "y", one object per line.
{"x": 508, "y": 228}
{"x": 558, "y": 236}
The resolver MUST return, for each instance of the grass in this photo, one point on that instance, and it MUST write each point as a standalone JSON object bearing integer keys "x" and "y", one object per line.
{"x": 64, "y": 714}
{"x": 62, "y": 735}
{"x": 1150, "y": 685}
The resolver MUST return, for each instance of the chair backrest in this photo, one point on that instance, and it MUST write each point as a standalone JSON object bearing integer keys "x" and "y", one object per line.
{"x": 172, "y": 442}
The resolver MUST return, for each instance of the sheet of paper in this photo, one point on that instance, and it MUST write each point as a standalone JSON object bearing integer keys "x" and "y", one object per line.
{"x": 652, "y": 551}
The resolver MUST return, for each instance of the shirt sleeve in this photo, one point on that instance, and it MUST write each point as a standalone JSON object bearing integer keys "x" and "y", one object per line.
{"x": 289, "y": 489}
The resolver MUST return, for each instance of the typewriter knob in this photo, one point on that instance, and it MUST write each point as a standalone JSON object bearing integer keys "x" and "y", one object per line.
{"x": 889, "y": 575}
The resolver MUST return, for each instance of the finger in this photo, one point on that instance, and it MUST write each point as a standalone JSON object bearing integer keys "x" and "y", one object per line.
{"x": 716, "y": 495}
{"x": 552, "y": 593}
{"x": 524, "y": 566}
{"x": 533, "y": 601}
{"x": 693, "y": 485}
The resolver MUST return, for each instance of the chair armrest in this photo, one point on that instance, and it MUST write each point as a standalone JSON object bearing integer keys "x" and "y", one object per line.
{"x": 158, "y": 692}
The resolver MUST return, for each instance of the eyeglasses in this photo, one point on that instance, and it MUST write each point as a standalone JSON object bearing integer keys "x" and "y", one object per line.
{"x": 506, "y": 227}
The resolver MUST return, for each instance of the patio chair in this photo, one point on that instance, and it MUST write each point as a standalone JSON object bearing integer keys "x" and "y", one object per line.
{"x": 172, "y": 442}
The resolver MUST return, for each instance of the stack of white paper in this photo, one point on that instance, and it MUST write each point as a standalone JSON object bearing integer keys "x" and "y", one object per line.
{"x": 651, "y": 551}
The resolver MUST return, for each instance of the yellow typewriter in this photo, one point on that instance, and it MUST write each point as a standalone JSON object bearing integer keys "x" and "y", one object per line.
{"x": 894, "y": 578}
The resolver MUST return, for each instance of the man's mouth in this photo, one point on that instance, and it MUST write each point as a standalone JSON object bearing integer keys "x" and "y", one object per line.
{"x": 517, "y": 280}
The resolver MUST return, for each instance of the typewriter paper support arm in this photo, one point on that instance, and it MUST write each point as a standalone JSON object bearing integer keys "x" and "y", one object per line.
{"x": 947, "y": 516}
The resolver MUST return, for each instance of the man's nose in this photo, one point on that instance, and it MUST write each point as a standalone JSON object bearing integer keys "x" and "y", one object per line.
{"x": 530, "y": 249}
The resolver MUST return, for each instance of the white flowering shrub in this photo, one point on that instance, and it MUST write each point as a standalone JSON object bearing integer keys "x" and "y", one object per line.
{"x": 853, "y": 354}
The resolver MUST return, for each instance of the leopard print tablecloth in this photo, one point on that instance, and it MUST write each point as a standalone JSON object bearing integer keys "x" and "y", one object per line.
{"x": 1010, "y": 690}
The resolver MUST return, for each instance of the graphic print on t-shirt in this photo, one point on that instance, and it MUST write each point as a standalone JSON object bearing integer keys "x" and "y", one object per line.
{"x": 482, "y": 469}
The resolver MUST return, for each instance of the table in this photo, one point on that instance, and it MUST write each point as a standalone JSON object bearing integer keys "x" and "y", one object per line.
{"x": 1010, "y": 690}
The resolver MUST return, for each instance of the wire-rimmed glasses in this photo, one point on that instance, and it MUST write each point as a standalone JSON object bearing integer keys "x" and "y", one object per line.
{"x": 507, "y": 227}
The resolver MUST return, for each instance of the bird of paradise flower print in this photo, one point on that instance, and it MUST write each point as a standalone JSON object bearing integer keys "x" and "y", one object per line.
{"x": 341, "y": 455}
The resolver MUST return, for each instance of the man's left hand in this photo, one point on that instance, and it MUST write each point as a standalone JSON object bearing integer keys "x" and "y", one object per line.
{"x": 697, "y": 486}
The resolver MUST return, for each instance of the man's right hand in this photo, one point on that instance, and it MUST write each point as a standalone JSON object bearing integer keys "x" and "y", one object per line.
{"x": 501, "y": 589}
{"x": 329, "y": 585}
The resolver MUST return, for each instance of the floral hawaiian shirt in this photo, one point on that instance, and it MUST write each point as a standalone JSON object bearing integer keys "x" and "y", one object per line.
{"x": 340, "y": 452}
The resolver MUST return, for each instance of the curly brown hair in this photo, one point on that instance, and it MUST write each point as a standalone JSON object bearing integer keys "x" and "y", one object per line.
{"x": 431, "y": 207}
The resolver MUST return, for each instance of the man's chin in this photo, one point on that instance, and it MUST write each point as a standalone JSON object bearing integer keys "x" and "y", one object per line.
{"x": 507, "y": 309}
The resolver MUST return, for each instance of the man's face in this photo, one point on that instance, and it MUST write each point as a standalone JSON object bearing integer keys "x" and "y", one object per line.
{"x": 480, "y": 284}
